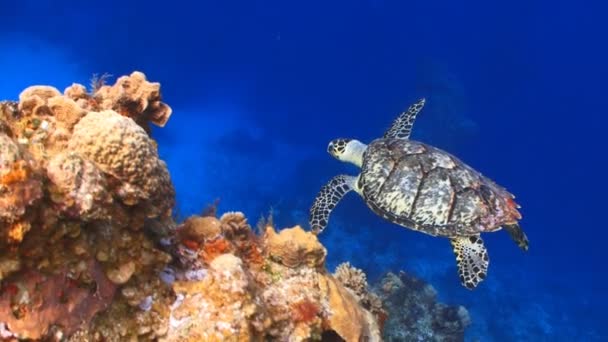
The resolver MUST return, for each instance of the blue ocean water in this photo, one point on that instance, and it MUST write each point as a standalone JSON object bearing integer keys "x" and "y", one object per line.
{"x": 258, "y": 88}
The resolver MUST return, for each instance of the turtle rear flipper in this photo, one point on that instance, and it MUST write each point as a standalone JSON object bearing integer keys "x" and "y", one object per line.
{"x": 518, "y": 235}
{"x": 472, "y": 260}
{"x": 402, "y": 126}
{"x": 327, "y": 199}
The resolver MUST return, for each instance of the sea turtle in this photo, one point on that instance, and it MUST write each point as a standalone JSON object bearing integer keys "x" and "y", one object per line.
{"x": 423, "y": 188}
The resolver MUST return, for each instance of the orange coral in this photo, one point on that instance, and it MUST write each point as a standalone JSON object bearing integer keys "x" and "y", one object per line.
{"x": 191, "y": 244}
{"x": 305, "y": 311}
{"x": 251, "y": 253}
{"x": 17, "y": 231}
{"x": 214, "y": 248}
{"x": 17, "y": 174}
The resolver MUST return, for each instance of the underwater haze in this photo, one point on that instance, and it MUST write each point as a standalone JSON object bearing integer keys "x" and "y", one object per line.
{"x": 515, "y": 89}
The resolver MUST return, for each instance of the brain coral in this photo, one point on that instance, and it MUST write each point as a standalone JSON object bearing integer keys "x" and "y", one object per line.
{"x": 123, "y": 149}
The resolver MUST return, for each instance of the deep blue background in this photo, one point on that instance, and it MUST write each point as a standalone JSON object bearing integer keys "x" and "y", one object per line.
{"x": 517, "y": 89}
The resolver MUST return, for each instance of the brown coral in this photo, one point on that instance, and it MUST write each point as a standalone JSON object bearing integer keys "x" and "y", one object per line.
{"x": 234, "y": 225}
{"x": 236, "y": 228}
{"x": 135, "y": 97}
{"x": 294, "y": 247}
{"x": 198, "y": 229}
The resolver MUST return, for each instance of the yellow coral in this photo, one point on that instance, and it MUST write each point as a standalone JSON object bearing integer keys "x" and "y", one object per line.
{"x": 294, "y": 247}
{"x": 347, "y": 318}
{"x": 17, "y": 231}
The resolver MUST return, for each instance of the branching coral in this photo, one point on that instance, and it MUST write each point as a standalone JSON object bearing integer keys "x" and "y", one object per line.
{"x": 355, "y": 280}
{"x": 352, "y": 278}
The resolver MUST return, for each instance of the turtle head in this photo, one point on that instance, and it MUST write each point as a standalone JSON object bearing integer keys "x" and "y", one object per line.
{"x": 347, "y": 150}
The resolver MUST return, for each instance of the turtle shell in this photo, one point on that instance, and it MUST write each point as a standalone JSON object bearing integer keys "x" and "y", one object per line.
{"x": 426, "y": 189}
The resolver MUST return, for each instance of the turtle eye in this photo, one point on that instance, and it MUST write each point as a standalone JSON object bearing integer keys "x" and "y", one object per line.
{"x": 337, "y": 146}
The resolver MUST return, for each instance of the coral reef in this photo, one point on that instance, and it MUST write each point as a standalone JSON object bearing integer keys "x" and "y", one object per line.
{"x": 355, "y": 280}
{"x": 79, "y": 185}
{"x": 414, "y": 313}
{"x": 231, "y": 283}
{"x": 90, "y": 249}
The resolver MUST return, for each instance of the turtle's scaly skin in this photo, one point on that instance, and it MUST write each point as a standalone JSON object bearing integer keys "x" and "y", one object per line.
{"x": 429, "y": 190}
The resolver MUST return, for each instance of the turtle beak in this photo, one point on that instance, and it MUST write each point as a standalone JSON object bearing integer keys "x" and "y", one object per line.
{"x": 331, "y": 149}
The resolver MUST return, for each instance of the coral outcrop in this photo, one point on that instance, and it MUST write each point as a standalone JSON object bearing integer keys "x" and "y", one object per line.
{"x": 90, "y": 250}
{"x": 268, "y": 287}
{"x": 80, "y": 184}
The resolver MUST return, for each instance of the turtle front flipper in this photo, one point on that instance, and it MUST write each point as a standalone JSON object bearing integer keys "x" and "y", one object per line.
{"x": 472, "y": 260}
{"x": 402, "y": 126}
{"x": 518, "y": 235}
{"x": 327, "y": 199}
